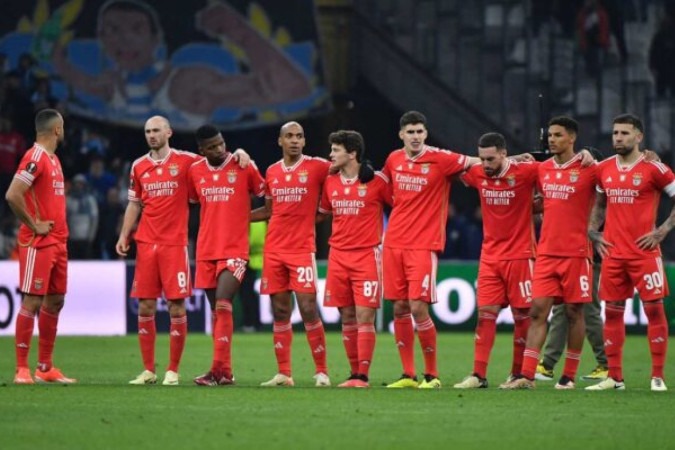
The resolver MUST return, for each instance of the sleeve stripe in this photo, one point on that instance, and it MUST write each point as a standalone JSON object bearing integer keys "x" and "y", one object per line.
{"x": 25, "y": 177}
{"x": 383, "y": 176}
{"x": 324, "y": 211}
{"x": 670, "y": 189}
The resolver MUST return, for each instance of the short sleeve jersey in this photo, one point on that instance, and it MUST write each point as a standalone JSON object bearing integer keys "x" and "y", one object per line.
{"x": 357, "y": 210}
{"x": 633, "y": 193}
{"x": 224, "y": 194}
{"x": 162, "y": 189}
{"x": 420, "y": 186}
{"x": 294, "y": 192}
{"x": 569, "y": 194}
{"x": 506, "y": 207}
{"x": 45, "y": 199}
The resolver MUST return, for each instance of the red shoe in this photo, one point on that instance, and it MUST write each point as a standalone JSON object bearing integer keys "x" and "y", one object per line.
{"x": 211, "y": 379}
{"x": 22, "y": 376}
{"x": 53, "y": 375}
{"x": 354, "y": 383}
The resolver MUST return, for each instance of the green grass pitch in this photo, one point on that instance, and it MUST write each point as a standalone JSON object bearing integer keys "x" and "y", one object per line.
{"x": 102, "y": 411}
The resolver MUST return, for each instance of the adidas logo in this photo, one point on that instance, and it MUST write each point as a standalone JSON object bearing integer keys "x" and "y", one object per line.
{"x": 183, "y": 291}
{"x": 399, "y": 168}
{"x": 223, "y": 339}
{"x": 608, "y": 342}
{"x": 279, "y": 345}
{"x": 146, "y": 175}
{"x": 429, "y": 350}
{"x": 520, "y": 341}
{"x": 275, "y": 181}
{"x": 476, "y": 336}
{"x": 608, "y": 180}
{"x": 657, "y": 291}
{"x": 175, "y": 333}
{"x": 143, "y": 331}
{"x": 22, "y": 345}
{"x": 308, "y": 285}
{"x": 658, "y": 340}
{"x": 400, "y": 344}
{"x": 319, "y": 349}
{"x": 334, "y": 194}
{"x": 346, "y": 338}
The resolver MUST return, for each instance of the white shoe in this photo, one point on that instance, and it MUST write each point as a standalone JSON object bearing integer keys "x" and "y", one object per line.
{"x": 171, "y": 378}
{"x": 322, "y": 380}
{"x": 279, "y": 380}
{"x": 472, "y": 382}
{"x": 607, "y": 384}
{"x": 146, "y": 377}
{"x": 658, "y": 384}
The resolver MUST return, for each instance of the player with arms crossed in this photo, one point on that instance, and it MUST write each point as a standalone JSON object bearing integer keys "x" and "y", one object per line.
{"x": 355, "y": 197}
{"x": 629, "y": 189}
{"x": 158, "y": 187}
{"x": 293, "y": 187}
{"x": 420, "y": 183}
{"x": 506, "y": 190}
{"x": 563, "y": 269}
{"x": 37, "y": 197}
{"x": 223, "y": 189}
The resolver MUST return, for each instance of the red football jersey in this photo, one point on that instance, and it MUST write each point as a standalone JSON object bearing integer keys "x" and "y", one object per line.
{"x": 162, "y": 189}
{"x": 294, "y": 192}
{"x": 633, "y": 194}
{"x": 421, "y": 189}
{"x": 224, "y": 195}
{"x": 357, "y": 210}
{"x": 45, "y": 199}
{"x": 506, "y": 205}
{"x": 569, "y": 194}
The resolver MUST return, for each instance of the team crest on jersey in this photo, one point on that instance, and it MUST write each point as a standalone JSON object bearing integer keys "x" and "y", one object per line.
{"x": 425, "y": 168}
{"x": 574, "y": 176}
{"x": 231, "y": 176}
{"x": 303, "y": 176}
{"x": 637, "y": 179}
{"x": 363, "y": 190}
{"x": 511, "y": 180}
{"x": 31, "y": 167}
{"x": 38, "y": 283}
{"x": 174, "y": 170}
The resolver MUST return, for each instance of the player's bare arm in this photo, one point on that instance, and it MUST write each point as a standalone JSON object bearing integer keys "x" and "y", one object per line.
{"x": 15, "y": 198}
{"x": 523, "y": 157}
{"x": 243, "y": 158}
{"x": 595, "y": 222}
{"x": 651, "y": 240}
{"x": 262, "y": 213}
{"x": 651, "y": 156}
{"x": 131, "y": 215}
{"x": 587, "y": 158}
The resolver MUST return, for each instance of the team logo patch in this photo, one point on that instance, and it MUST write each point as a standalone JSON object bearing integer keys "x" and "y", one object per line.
{"x": 574, "y": 176}
{"x": 363, "y": 190}
{"x": 231, "y": 176}
{"x": 31, "y": 167}
{"x": 511, "y": 180}
{"x": 303, "y": 176}
{"x": 425, "y": 168}
{"x": 637, "y": 179}
{"x": 174, "y": 170}
{"x": 38, "y": 283}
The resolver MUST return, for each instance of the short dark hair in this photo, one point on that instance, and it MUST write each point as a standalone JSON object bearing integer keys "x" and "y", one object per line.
{"x": 412, "y": 118}
{"x": 569, "y": 124}
{"x": 630, "y": 119}
{"x": 132, "y": 6}
{"x": 492, "y": 140}
{"x": 351, "y": 140}
{"x": 44, "y": 120}
{"x": 205, "y": 132}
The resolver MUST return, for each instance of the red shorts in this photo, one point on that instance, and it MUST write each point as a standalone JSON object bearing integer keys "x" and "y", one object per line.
{"x": 504, "y": 283}
{"x": 569, "y": 280}
{"x": 288, "y": 272}
{"x": 619, "y": 277}
{"x": 44, "y": 270}
{"x": 354, "y": 278}
{"x": 409, "y": 274}
{"x": 207, "y": 272}
{"x": 161, "y": 268}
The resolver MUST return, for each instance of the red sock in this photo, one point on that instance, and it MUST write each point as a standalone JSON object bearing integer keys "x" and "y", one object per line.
{"x": 222, "y": 338}
{"x": 366, "y": 344}
{"x": 572, "y": 358}
{"x": 426, "y": 332}
{"x": 615, "y": 336}
{"x": 657, "y": 333}
{"x": 47, "y": 326}
{"x": 214, "y": 321}
{"x": 350, "y": 336}
{"x": 147, "y": 333}
{"x": 283, "y": 339}
{"x": 25, "y": 323}
{"x": 484, "y": 339}
{"x": 405, "y": 341}
{"x": 521, "y": 323}
{"x": 316, "y": 336}
{"x": 530, "y": 361}
{"x": 177, "y": 335}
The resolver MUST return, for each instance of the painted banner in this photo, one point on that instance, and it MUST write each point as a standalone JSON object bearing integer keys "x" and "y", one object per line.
{"x": 233, "y": 63}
